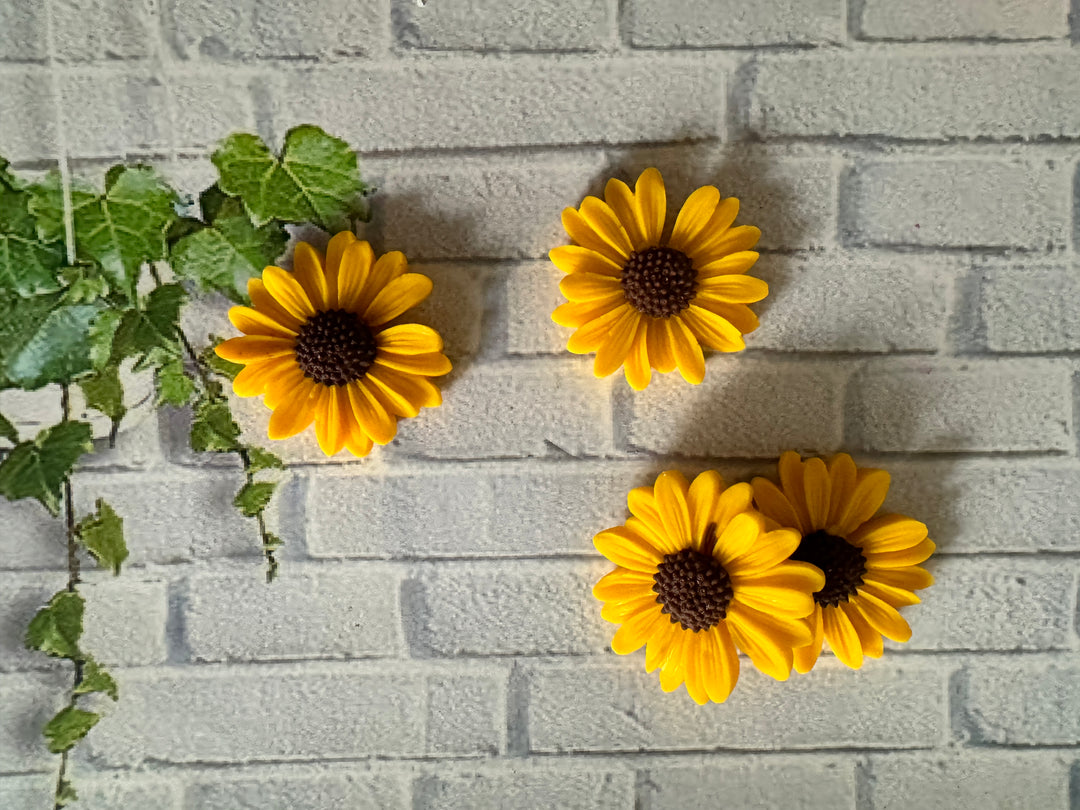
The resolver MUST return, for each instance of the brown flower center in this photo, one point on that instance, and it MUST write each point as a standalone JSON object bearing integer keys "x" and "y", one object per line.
{"x": 843, "y": 565}
{"x": 693, "y": 587}
{"x": 659, "y": 281}
{"x": 335, "y": 347}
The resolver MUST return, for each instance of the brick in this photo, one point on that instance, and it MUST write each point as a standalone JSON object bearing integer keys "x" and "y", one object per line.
{"x": 31, "y": 538}
{"x": 110, "y": 114}
{"x": 271, "y": 713}
{"x": 813, "y": 785}
{"x": 968, "y": 93}
{"x": 29, "y": 702}
{"x": 95, "y": 793}
{"x": 618, "y": 707}
{"x": 22, "y": 31}
{"x": 983, "y": 19}
{"x": 532, "y": 293}
{"x": 534, "y": 608}
{"x": 209, "y": 106}
{"x": 27, "y": 116}
{"x": 466, "y": 713}
{"x": 276, "y": 29}
{"x": 704, "y": 23}
{"x": 970, "y": 779}
{"x": 998, "y": 604}
{"x": 852, "y": 303}
{"x": 1026, "y": 310}
{"x": 991, "y": 506}
{"x": 961, "y": 407}
{"x": 284, "y": 788}
{"x": 312, "y": 613}
{"x": 455, "y": 307}
{"x": 471, "y": 207}
{"x": 475, "y": 102}
{"x": 88, "y": 30}
{"x": 124, "y": 621}
{"x": 1023, "y": 703}
{"x": 744, "y": 408}
{"x": 948, "y": 203}
{"x": 528, "y": 787}
{"x": 505, "y": 25}
{"x": 519, "y": 410}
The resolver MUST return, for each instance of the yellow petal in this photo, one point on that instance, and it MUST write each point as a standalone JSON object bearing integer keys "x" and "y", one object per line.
{"x": 702, "y": 500}
{"x": 576, "y": 259}
{"x": 651, "y": 200}
{"x": 883, "y": 617}
{"x": 611, "y": 353}
{"x": 339, "y": 418}
{"x": 621, "y": 199}
{"x": 308, "y": 270}
{"x": 738, "y": 315}
{"x": 910, "y": 578}
{"x": 774, "y": 504}
{"x": 255, "y": 378}
{"x": 772, "y": 549}
{"x": 902, "y": 558}
{"x": 582, "y": 233}
{"x": 888, "y": 533}
{"x": 589, "y": 287}
{"x": 869, "y": 638}
{"x": 768, "y": 656}
{"x": 842, "y": 638}
{"x": 401, "y": 294}
{"x": 632, "y": 636}
{"x": 619, "y": 611}
{"x": 728, "y": 267}
{"x": 636, "y": 366}
{"x": 576, "y": 313}
{"x": 280, "y": 385}
{"x": 407, "y": 393}
{"x": 786, "y": 590}
{"x": 252, "y": 348}
{"x": 658, "y": 650}
{"x": 642, "y": 503}
{"x": 816, "y": 488}
{"x": 357, "y": 442}
{"x": 267, "y": 305}
{"x": 433, "y": 364}
{"x": 694, "y": 216}
{"x": 734, "y": 240}
{"x": 715, "y": 232}
{"x": 409, "y": 338}
{"x": 287, "y": 291}
{"x": 370, "y": 415}
{"x": 712, "y": 330}
{"x": 592, "y": 335}
{"x": 790, "y": 469}
{"x": 321, "y": 405}
{"x": 606, "y": 225}
{"x": 842, "y": 477}
{"x": 783, "y": 632}
{"x": 295, "y": 412}
{"x": 252, "y": 322}
{"x": 627, "y": 549}
{"x": 738, "y": 538}
{"x": 387, "y": 267}
{"x": 622, "y": 585}
{"x": 733, "y": 289}
{"x": 871, "y": 487}
{"x": 671, "y": 490}
{"x": 896, "y": 597}
{"x": 733, "y": 501}
{"x": 688, "y": 354}
{"x": 692, "y": 661}
{"x": 806, "y": 657}
{"x": 661, "y": 345}
{"x": 357, "y": 259}
{"x": 721, "y": 663}
{"x": 334, "y": 253}
{"x": 673, "y": 672}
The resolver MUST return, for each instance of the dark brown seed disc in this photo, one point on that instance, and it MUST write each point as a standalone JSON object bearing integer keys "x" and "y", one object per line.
{"x": 843, "y": 564}
{"x": 335, "y": 347}
{"x": 693, "y": 588}
{"x": 659, "y": 282}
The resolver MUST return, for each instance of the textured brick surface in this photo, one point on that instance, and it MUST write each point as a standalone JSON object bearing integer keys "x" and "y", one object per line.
{"x": 529, "y": 788}
{"x": 103, "y": 793}
{"x": 22, "y": 23}
{"x": 990, "y": 19}
{"x": 110, "y": 115}
{"x": 700, "y": 23}
{"x": 280, "y": 788}
{"x": 27, "y": 116}
{"x": 1026, "y": 310}
{"x": 933, "y": 407}
{"x": 1023, "y": 703}
{"x": 29, "y": 701}
{"x": 101, "y": 29}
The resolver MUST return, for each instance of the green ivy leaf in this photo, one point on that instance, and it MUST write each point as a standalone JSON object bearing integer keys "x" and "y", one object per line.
{"x": 57, "y": 627}
{"x": 20, "y": 318}
{"x": 8, "y": 431}
{"x": 105, "y": 393}
{"x": 174, "y": 386}
{"x": 29, "y": 264}
{"x": 37, "y": 469}
{"x": 65, "y": 794}
{"x": 217, "y": 363}
{"x": 57, "y": 351}
{"x": 96, "y": 679}
{"x": 259, "y": 460}
{"x": 224, "y": 255}
{"x": 120, "y": 229}
{"x": 84, "y": 286}
{"x": 68, "y": 727}
{"x": 315, "y": 180}
{"x": 102, "y": 533}
{"x": 101, "y": 337}
{"x": 151, "y": 334}
{"x": 253, "y": 497}
{"x": 213, "y": 428}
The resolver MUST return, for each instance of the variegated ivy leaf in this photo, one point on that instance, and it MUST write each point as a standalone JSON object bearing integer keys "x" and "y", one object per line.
{"x": 56, "y": 629}
{"x": 37, "y": 469}
{"x": 120, "y": 229}
{"x": 29, "y": 262}
{"x": 102, "y": 534}
{"x": 68, "y": 727}
{"x": 151, "y": 333}
{"x": 96, "y": 679}
{"x": 316, "y": 179}
{"x": 253, "y": 497}
{"x": 105, "y": 393}
{"x": 174, "y": 386}
{"x": 8, "y": 430}
{"x": 213, "y": 428}
{"x": 56, "y": 350}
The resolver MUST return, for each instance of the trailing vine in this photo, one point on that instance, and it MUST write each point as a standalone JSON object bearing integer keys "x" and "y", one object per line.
{"x": 92, "y": 284}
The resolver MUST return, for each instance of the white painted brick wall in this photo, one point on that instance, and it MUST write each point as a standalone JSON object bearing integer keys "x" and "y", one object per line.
{"x": 431, "y": 643}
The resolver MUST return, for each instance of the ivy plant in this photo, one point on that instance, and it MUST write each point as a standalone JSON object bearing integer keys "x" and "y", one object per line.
{"x": 93, "y": 281}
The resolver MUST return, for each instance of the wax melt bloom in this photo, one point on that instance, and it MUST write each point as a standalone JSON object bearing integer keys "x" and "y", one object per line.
{"x": 644, "y": 300}
{"x": 317, "y": 345}
{"x": 871, "y": 564}
{"x": 701, "y": 574}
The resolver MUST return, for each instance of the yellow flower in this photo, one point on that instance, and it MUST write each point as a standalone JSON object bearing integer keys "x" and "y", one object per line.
{"x": 642, "y": 301}
{"x": 317, "y": 344}
{"x": 701, "y": 573}
{"x": 870, "y": 563}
